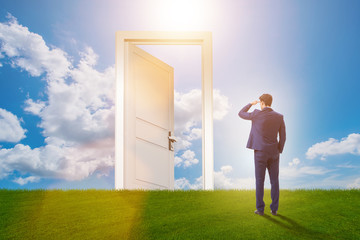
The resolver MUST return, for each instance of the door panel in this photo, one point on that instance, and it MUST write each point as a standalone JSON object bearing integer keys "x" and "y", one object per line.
{"x": 151, "y": 133}
{"x": 149, "y": 163}
{"x": 152, "y": 92}
{"x": 152, "y": 164}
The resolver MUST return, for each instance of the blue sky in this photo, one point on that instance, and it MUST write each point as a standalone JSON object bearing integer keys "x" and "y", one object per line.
{"x": 57, "y": 123}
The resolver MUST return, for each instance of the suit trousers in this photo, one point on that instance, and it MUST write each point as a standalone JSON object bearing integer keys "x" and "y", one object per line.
{"x": 263, "y": 161}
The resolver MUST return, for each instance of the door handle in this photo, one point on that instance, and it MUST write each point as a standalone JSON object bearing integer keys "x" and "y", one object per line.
{"x": 172, "y": 139}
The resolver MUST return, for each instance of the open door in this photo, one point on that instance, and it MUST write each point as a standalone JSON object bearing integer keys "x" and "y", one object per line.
{"x": 149, "y": 121}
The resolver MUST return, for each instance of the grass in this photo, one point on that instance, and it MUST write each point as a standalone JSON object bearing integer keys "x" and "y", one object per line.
{"x": 219, "y": 214}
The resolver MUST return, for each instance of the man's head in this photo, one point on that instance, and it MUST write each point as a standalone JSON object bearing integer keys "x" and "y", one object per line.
{"x": 265, "y": 100}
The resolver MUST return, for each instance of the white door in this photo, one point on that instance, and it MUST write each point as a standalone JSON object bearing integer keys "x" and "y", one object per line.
{"x": 149, "y": 121}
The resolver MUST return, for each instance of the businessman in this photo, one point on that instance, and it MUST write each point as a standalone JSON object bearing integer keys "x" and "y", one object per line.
{"x": 265, "y": 128}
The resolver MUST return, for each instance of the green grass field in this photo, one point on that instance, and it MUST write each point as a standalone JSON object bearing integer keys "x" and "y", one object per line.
{"x": 219, "y": 214}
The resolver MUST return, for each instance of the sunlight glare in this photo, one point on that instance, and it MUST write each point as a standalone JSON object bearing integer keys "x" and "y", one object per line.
{"x": 184, "y": 14}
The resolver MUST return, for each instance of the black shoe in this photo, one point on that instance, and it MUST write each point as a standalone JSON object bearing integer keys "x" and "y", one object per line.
{"x": 259, "y": 213}
{"x": 274, "y": 213}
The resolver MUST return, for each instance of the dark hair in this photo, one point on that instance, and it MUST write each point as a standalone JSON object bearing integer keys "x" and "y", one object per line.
{"x": 267, "y": 99}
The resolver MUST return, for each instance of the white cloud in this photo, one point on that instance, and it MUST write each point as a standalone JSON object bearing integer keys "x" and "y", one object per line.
{"x": 62, "y": 162}
{"x": 181, "y": 144}
{"x": 183, "y": 183}
{"x": 28, "y": 51}
{"x": 195, "y": 133}
{"x": 83, "y": 109}
{"x": 23, "y": 181}
{"x": 346, "y": 165}
{"x": 177, "y": 161}
{"x": 188, "y": 115}
{"x": 80, "y": 102}
{"x": 309, "y": 170}
{"x": 34, "y": 107}
{"x": 222, "y": 181}
{"x": 221, "y": 105}
{"x": 355, "y": 184}
{"x": 77, "y": 118}
{"x": 10, "y": 128}
{"x": 328, "y": 181}
{"x": 297, "y": 170}
{"x": 349, "y": 144}
{"x": 187, "y": 110}
{"x": 226, "y": 169}
{"x": 294, "y": 162}
{"x": 186, "y": 160}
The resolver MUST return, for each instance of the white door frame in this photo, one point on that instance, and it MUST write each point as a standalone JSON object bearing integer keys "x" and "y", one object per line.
{"x": 204, "y": 39}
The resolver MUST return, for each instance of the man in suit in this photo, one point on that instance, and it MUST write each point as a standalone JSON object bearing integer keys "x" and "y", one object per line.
{"x": 266, "y": 125}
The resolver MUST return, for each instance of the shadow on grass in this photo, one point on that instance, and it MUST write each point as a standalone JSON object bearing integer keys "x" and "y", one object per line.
{"x": 296, "y": 229}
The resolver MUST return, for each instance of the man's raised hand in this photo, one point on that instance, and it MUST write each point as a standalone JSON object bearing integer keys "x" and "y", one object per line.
{"x": 255, "y": 102}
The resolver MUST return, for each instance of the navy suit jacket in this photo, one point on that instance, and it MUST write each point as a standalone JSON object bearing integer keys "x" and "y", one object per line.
{"x": 266, "y": 124}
